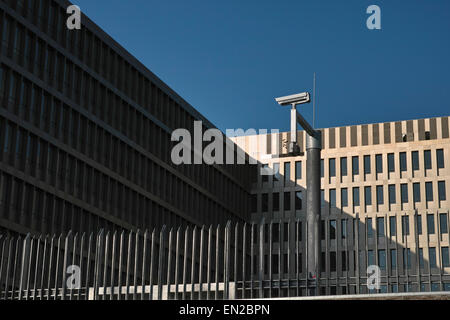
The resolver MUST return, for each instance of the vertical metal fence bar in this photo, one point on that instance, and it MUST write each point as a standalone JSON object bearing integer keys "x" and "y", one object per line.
{"x": 388, "y": 256}
{"x": 52, "y": 241}
{"x": 270, "y": 259}
{"x": 407, "y": 254}
{"x": 337, "y": 253}
{"x": 252, "y": 255}
{"x": 416, "y": 235}
{"x": 143, "y": 264}
{"x": 113, "y": 266}
{"x": 429, "y": 260}
{"x": 177, "y": 262}
{"x": 161, "y": 256}
{"x": 8, "y": 267}
{"x": 81, "y": 265}
{"x": 64, "y": 274}
{"x": 185, "y": 261}
{"x": 261, "y": 259}
{"x": 201, "y": 262}
{"x": 306, "y": 263}
{"x": 317, "y": 281}
{"x": 366, "y": 240}
{"x": 127, "y": 276}
{"x": 119, "y": 275}
{"x": 289, "y": 257}
{"x": 169, "y": 262}
{"x": 44, "y": 269}
{"x": 236, "y": 256}
{"x": 74, "y": 256}
{"x": 327, "y": 256}
{"x": 93, "y": 264}
{"x": 23, "y": 264}
{"x": 136, "y": 258}
{"x": 217, "y": 268}
{"x": 244, "y": 258}
{"x": 97, "y": 265}
{"x": 58, "y": 256}
{"x": 227, "y": 259}
{"x": 347, "y": 258}
{"x": 439, "y": 251}
{"x": 339, "y": 242}
{"x": 16, "y": 262}
{"x": 193, "y": 255}
{"x": 152, "y": 262}
{"x": 358, "y": 273}
{"x": 208, "y": 269}
{"x": 375, "y": 236}
{"x": 4, "y": 258}
{"x": 397, "y": 253}
{"x": 29, "y": 264}
{"x": 279, "y": 259}
{"x": 297, "y": 258}
{"x": 105, "y": 267}
{"x": 340, "y": 280}
{"x": 10, "y": 270}
{"x": 36, "y": 267}
{"x": 88, "y": 266}
{"x": 18, "y": 268}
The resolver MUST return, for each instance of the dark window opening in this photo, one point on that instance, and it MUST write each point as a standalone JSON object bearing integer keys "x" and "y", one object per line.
{"x": 403, "y": 166}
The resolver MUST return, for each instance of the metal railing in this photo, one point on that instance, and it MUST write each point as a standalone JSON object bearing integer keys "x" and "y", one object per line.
{"x": 265, "y": 260}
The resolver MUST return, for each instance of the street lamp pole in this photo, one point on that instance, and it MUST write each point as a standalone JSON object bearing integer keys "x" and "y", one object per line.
{"x": 313, "y": 207}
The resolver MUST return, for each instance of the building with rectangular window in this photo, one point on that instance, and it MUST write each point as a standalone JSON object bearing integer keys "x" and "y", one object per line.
{"x": 391, "y": 179}
{"x": 85, "y": 144}
{"x": 85, "y": 135}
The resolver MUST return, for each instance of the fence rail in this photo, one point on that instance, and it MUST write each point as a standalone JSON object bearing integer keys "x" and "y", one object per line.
{"x": 235, "y": 261}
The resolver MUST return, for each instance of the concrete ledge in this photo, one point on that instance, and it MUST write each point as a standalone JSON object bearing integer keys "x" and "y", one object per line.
{"x": 441, "y": 295}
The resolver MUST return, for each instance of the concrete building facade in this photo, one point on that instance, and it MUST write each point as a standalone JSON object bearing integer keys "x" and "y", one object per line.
{"x": 85, "y": 135}
{"x": 391, "y": 178}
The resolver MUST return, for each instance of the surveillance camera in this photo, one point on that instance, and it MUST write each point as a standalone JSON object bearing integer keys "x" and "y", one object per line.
{"x": 299, "y": 98}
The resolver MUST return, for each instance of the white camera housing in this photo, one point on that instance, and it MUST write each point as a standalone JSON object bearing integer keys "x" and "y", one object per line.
{"x": 298, "y": 98}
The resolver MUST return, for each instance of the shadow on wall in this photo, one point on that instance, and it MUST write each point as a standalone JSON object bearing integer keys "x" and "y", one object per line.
{"x": 410, "y": 258}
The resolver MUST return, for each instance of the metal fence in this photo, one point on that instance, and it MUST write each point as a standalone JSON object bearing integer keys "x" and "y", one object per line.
{"x": 235, "y": 261}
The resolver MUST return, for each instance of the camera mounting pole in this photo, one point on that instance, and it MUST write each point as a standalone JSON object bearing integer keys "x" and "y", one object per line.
{"x": 313, "y": 149}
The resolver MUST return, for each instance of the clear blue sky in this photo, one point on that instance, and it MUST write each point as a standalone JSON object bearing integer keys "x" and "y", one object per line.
{"x": 229, "y": 59}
